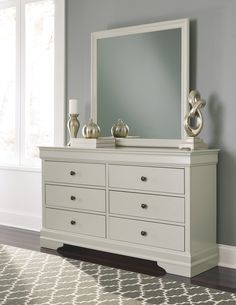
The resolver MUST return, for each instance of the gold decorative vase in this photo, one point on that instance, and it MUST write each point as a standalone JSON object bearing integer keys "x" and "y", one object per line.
{"x": 73, "y": 125}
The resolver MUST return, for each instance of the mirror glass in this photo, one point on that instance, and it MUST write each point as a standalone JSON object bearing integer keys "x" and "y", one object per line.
{"x": 139, "y": 78}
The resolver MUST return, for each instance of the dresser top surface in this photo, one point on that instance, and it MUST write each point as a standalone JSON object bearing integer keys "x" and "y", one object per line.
{"x": 128, "y": 150}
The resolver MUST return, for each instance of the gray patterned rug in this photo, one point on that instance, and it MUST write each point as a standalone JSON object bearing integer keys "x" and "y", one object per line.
{"x": 34, "y": 278}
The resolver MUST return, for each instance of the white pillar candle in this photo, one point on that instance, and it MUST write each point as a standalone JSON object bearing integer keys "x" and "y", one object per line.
{"x": 73, "y": 106}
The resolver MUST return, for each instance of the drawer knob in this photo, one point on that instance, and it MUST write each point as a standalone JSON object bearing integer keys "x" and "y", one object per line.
{"x": 72, "y": 197}
{"x": 72, "y": 173}
{"x": 143, "y": 178}
{"x": 73, "y": 222}
{"x": 143, "y": 233}
{"x": 144, "y": 206}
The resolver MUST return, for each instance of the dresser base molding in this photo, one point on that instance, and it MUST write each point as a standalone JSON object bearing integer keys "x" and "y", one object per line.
{"x": 50, "y": 243}
{"x": 174, "y": 262}
{"x": 207, "y": 260}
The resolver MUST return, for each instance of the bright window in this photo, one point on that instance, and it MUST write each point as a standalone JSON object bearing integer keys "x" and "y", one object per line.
{"x": 8, "y": 135}
{"x": 31, "y": 31}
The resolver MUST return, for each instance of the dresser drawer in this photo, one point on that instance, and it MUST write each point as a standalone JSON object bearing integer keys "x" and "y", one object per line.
{"x": 147, "y": 233}
{"x": 149, "y": 206}
{"x": 75, "y": 222}
{"x": 76, "y": 173}
{"x": 166, "y": 180}
{"x": 75, "y": 198}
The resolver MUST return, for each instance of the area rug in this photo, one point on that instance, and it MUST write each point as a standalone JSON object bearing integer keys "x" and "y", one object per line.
{"x": 34, "y": 278}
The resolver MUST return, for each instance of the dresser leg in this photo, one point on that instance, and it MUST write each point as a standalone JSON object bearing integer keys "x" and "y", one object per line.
{"x": 175, "y": 268}
{"x": 50, "y": 243}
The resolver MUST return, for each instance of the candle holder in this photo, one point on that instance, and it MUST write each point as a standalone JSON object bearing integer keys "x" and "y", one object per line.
{"x": 73, "y": 126}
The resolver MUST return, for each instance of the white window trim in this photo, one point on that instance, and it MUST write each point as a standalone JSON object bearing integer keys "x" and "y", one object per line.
{"x": 59, "y": 89}
{"x": 59, "y": 76}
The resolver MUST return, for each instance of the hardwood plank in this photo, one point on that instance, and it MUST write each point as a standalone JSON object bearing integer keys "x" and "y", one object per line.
{"x": 218, "y": 278}
{"x": 19, "y": 238}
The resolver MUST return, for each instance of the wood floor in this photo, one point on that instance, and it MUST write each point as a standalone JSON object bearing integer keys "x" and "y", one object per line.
{"x": 218, "y": 277}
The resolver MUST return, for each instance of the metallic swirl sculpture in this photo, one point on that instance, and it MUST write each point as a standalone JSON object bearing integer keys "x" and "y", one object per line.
{"x": 193, "y": 121}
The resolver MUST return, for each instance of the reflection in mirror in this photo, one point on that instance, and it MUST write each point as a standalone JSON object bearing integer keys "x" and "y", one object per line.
{"x": 141, "y": 77}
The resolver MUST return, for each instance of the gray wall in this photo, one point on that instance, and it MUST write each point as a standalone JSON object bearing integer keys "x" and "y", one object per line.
{"x": 213, "y": 71}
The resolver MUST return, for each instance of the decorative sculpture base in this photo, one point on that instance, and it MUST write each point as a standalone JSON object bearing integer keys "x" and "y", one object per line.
{"x": 193, "y": 143}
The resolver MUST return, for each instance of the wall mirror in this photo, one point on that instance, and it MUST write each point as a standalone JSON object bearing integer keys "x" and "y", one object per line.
{"x": 141, "y": 75}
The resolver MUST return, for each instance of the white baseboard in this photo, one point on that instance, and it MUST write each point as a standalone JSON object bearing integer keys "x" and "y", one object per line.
{"x": 22, "y": 221}
{"x": 227, "y": 256}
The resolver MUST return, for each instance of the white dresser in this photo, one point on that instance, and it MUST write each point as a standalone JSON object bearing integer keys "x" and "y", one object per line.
{"x": 156, "y": 204}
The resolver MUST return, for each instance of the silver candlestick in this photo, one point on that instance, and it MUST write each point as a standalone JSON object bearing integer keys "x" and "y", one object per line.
{"x": 73, "y": 126}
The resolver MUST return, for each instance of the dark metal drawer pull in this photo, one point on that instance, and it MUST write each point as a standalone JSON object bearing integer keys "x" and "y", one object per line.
{"x": 72, "y": 173}
{"x": 144, "y": 206}
{"x": 73, "y": 222}
{"x": 143, "y": 178}
{"x": 72, "y": 197}
{"x": 143, "y": 233}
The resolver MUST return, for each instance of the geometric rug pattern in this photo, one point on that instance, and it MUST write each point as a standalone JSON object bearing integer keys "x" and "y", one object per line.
{"x": 34, "y": 278}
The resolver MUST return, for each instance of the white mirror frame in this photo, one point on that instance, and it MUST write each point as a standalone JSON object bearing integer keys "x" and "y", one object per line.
{"x": 182, "y": 24}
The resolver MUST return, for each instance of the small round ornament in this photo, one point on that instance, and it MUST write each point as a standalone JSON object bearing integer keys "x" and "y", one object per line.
{"x": 120, "y": 129}
{"x": 91, "y": 130}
